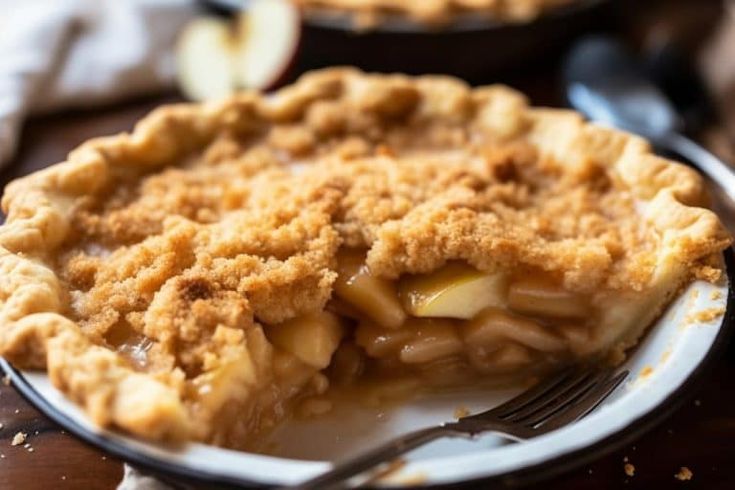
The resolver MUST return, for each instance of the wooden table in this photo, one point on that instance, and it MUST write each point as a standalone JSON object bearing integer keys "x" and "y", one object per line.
{"x": 699, "y": 435}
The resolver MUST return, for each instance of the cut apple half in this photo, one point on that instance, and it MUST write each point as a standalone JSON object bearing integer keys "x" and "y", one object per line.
{"x": 216, "y": 57}
{"x": 204, "y": 59}
{"x": 454, "y": 291}
{"x": 269, "y": 38}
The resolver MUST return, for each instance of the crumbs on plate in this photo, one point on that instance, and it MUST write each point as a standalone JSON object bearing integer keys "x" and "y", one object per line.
{"x": 705, "y": 316}
{"x": 684, "y": 474}
{"x": 18, "y": 439}
{"x": 461, "y": 411}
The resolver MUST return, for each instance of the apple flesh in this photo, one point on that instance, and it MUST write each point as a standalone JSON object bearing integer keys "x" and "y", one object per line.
{"x": 432, "y": 340}
{"x": 375, "y": 297}
{"x": 216, "y": 58}
{"x": 454, "y": 291}
{"x": 311, "y": 338}
{"x": 269, "y": 38}
{"x": 205, "y": 52}
{"x": 493, "y": 328}
{"x": 541, "y": 297}
{"x": 382, "y": 342}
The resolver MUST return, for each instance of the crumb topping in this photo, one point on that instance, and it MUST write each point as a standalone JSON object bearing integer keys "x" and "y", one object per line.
{"x": 684, "y": 474}
{"x": 18, "y": 439}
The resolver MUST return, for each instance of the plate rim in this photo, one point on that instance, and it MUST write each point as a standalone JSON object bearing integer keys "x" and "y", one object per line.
{"x": 548, "y": 468}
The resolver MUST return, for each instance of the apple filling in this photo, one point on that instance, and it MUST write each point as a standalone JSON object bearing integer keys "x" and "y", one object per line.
{"x": 453, "y": 326}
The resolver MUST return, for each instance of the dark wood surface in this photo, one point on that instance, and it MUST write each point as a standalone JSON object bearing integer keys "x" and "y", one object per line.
{"x": 699, "y": 435}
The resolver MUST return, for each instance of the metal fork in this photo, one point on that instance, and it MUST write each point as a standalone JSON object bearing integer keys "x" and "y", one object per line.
{"x": 552, "y": 404}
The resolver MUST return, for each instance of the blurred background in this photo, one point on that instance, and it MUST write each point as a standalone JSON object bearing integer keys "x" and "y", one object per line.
{"x": 81, "y": 57}
{"x": 75, "y": 69}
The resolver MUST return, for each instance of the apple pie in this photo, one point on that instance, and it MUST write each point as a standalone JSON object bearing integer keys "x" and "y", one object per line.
{"x": 206, "y": 275}
{"x": 369, "y": 13}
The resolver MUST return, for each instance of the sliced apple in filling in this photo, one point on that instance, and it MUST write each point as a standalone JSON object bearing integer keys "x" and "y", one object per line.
{"x": 432, "y": 340}
{"x": 373, "y": 296}
{"x": 540, "y": 296}
{"x": 381, "y": 342}
{"x": 445, "y": 325}
{"x": 494, "y": 327}
{"x": 502, "y": 359}
{"x": 454, "y": 291}
{"x": 418, "y": 341}
{"x": 498, "y": 341}
{"x": 311, "y": 338}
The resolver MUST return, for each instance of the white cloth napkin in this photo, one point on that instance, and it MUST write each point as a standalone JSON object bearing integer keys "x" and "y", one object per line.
{"x": 57, "y": 54}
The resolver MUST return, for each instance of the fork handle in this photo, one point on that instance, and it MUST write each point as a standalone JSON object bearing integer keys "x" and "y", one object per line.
{"x": 381, "y": 454}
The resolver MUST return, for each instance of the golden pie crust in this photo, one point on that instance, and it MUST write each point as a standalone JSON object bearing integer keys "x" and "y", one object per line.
{"x": 370, "y": 13}
{"x": 145, "y": 271}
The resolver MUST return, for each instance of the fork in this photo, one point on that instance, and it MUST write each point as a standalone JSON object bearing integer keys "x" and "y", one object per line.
{"x": 548, "y": 406}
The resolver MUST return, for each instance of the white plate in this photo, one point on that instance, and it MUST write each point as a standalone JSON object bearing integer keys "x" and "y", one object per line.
{"x": 674, "y": 354}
